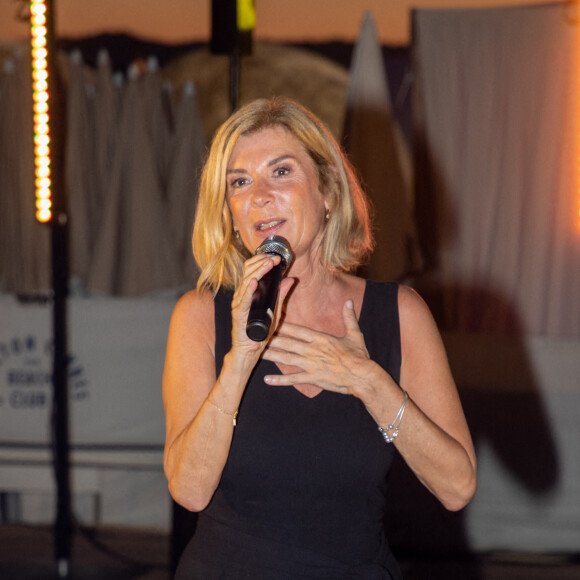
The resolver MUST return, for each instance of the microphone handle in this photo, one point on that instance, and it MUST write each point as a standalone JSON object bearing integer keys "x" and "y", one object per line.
{"x": 264, "y": 304}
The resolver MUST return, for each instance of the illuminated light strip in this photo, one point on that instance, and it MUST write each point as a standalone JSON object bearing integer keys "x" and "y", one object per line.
{"x": 40, "y": 79}
{"x": 575, "y": 20}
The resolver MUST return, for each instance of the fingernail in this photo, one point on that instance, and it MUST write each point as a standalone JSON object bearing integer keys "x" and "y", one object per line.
{"x": 349, "y": 304}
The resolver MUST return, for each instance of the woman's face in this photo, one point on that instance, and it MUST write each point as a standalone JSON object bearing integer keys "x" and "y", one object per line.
{"x": 273, "y": 188}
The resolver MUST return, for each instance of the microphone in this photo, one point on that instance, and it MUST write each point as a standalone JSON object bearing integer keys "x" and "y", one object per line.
{"x": 266, "y": 294}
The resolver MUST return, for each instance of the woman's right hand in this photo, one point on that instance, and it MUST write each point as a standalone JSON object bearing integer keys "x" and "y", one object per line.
{"x": 255, "y": 268}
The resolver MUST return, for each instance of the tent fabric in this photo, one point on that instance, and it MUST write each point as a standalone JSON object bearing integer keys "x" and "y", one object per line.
{"x": 496, "y": 115}
{"x": 377, "y": 150}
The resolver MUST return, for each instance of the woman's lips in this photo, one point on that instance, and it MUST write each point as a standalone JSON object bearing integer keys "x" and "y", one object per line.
{"x": 267, "y": 226}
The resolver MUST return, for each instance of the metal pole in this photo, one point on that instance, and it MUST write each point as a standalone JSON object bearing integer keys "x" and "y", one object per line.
{"x": 60, "y": 275}
{"x": 60, "y": 417}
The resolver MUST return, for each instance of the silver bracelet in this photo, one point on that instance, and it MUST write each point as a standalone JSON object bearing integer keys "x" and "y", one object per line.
{"x": 395, "y": 424}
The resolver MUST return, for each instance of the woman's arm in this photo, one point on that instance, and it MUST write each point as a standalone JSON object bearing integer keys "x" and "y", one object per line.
{"x": 199, "y": 408}
{"x": 433, "y": 438}
{"x": 198, "y": 436}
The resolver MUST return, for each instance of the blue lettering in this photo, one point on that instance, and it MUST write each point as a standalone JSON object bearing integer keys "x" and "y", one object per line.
{"x": 28, "y": 399}
{"x": 80, "y": 395}
{"x": 30, "y": 342}
{"x": 23, "y": 378}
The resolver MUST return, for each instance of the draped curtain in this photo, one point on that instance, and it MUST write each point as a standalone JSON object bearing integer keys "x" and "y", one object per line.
{"x": 134, "y": 150}
{"x": 497, "y": 198}
{"x": 24, "y": 242}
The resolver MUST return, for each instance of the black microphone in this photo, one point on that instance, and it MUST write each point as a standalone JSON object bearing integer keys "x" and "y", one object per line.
{"x": 266, "y": 294}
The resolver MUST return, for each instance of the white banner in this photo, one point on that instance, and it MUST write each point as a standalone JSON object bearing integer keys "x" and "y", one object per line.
{"x": 117, "y": 349}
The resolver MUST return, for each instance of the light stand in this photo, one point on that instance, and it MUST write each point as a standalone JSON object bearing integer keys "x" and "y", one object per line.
{"x": 51, "y": 208}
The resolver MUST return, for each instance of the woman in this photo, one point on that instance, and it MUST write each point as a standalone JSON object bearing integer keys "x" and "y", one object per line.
{"x": 284, "y": 446}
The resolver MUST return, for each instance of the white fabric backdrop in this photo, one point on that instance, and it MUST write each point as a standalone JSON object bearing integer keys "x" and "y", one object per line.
{"x": 520, "y": 397}
{"x": 497, "y": 203}
{"x": 117, "y": 349}
{"x": 117, "y": 353}
{"x": 497, "y": 166}
{"x": 521, "y": 401}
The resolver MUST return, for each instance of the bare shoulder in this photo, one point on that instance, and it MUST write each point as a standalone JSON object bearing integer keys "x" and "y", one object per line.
{"x": 193, "y": 317}
{"x": 189, "y": 370}
{"x": 425, "y": 371}
{"x": 189, "y": 366}
{"x": 416, "y": 321}
{"x": 195, "y": 305}
{"x": 411, "y": 305}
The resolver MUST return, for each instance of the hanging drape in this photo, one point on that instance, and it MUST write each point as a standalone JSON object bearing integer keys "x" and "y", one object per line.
{"x": 24, "y": 243}
{"x": 184, "y": 175}
{"x": 497, "y": 196}
{"x": 134, "y": 253}
{"x": 133, "y": 152}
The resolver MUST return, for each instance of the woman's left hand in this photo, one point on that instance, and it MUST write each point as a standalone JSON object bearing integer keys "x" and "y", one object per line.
{"x": 338, "y": 364}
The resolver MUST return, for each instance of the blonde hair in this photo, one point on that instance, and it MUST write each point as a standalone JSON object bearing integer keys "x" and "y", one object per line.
{"x": 347, "y": 237}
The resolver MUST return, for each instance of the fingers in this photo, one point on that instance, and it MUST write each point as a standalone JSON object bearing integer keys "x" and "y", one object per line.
{"x": 255, "y": 268}
{"x": 289, "y": 379}
{"x": 296, "y": 331}
{"x": 308, "y": 335}
{"x": 325, "y": 360}
{"x": 349, "y": 318}
{"x": 283, "y": 346}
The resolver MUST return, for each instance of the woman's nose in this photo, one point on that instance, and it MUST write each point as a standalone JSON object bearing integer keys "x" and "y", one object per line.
{"x": 261, "y": 194}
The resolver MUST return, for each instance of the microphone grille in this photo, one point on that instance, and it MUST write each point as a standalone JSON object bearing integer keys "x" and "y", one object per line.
{"x": 276, "y": 245}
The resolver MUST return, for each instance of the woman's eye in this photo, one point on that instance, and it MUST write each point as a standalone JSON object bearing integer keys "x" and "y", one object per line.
{"x": 281, "y": 171}
{"x": 239, "y": 182}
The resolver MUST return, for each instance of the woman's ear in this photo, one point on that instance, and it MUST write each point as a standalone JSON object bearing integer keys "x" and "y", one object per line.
{"x": 332, "y": 185}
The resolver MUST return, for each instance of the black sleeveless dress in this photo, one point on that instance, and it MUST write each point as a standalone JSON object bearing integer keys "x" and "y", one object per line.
{"x": 303, "y": 492}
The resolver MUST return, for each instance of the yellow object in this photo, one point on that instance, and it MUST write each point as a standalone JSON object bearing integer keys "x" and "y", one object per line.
{"x": 246, "y": 15}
